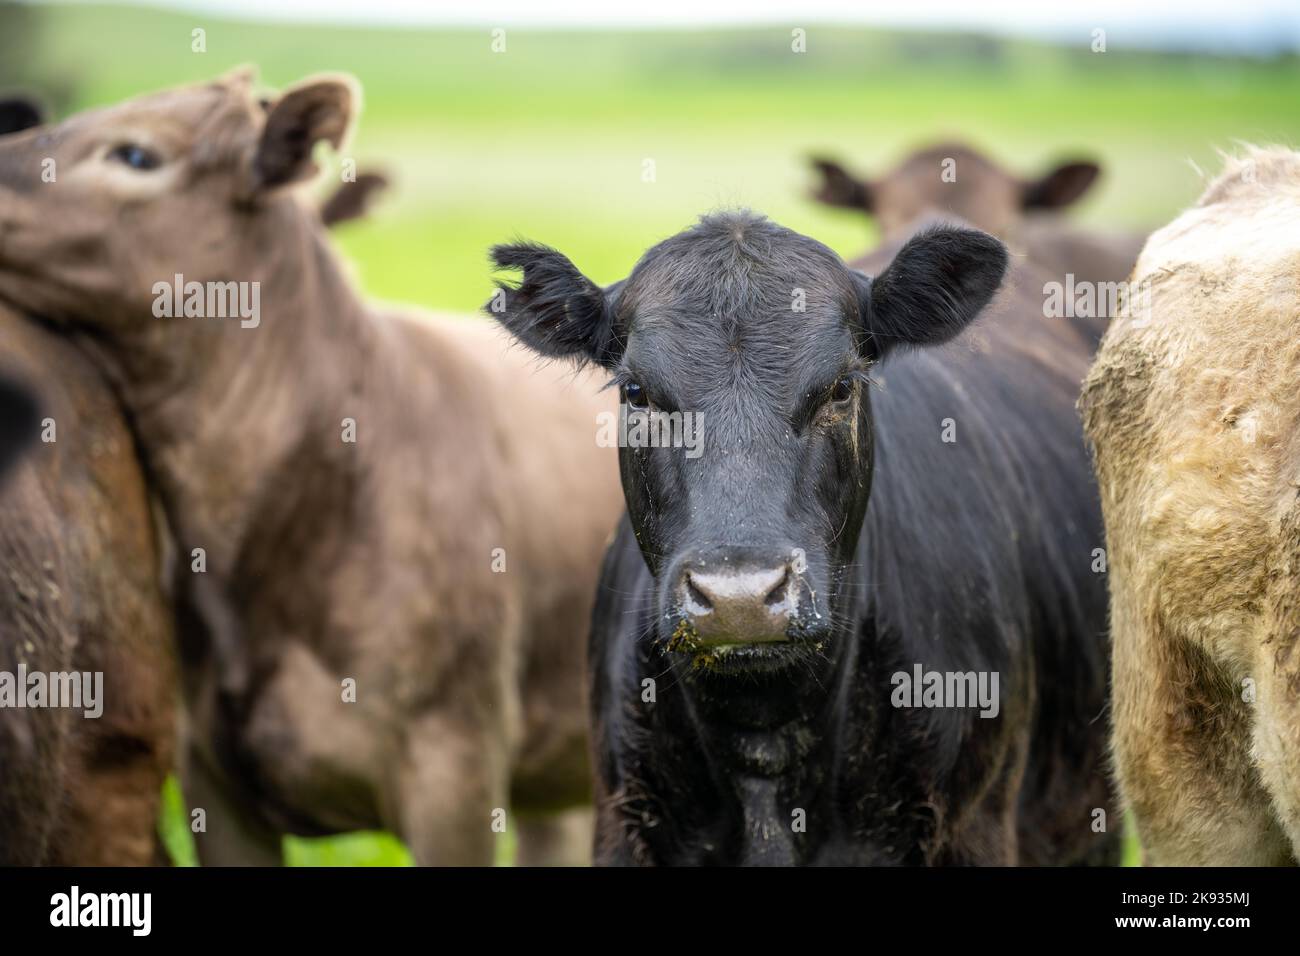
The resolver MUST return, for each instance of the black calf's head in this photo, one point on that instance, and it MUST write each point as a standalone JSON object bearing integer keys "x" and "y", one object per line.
{"x": 744, "y": 348}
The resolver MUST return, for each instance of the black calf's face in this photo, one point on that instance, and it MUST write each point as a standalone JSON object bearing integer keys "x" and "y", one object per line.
{"x": 753, "y": 337}
{"x": 741, "y": 350}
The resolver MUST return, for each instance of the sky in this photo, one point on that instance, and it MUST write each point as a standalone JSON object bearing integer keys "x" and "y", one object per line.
{"x": 1245, "y": 25}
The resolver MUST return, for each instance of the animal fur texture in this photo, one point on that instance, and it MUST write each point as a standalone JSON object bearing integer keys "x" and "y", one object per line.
{"x": 1194, "y": 413}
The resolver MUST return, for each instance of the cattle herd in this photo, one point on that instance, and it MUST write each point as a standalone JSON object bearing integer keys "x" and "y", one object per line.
{"x": 945, "y": 577}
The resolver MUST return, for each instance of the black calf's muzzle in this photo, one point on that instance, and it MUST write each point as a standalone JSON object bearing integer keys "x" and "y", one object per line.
{"x": 739, "y": 605}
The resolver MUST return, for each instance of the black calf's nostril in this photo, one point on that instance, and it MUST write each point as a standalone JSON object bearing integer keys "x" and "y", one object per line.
{"x": 778, "y": 595}
{"x": 696, "y": 597}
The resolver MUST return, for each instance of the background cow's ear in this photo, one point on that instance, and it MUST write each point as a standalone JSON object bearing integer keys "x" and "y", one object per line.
{"x": 316, "y": 110}
{"x": 19, "y": 421}
{"x": 839, "y": 187}
{"x": 937, "y": 284}
{"x": 1062, "y": 186}
{"x": 352, "y": 199}
{"x": 555, "y": 310}
{"x": 18, "y": 113}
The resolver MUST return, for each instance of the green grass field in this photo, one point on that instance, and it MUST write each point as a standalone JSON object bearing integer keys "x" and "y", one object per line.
{"x": 548, "y": 140}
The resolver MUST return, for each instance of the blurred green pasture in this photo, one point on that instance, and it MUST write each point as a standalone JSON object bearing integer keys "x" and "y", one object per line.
{"x": 548, "y": 139}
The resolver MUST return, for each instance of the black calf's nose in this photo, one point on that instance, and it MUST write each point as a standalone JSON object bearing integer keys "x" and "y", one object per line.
{"x": 739, "y": 605}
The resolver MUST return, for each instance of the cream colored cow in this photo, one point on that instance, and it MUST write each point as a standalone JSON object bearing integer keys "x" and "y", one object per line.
{"x": 1194, "y": 410}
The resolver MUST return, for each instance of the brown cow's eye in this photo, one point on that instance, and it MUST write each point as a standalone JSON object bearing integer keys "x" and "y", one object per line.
{"x": 635, "y": 395}
{"x": 843, "y": 390}
{"x": 137, "y": 157}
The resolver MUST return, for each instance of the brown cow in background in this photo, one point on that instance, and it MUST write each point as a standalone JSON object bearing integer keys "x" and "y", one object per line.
{"x": 77, "y": 790}
{"x": 1021, "y": 212}
{"x": 386, "y": 569}
{"x": 81, "y": 562}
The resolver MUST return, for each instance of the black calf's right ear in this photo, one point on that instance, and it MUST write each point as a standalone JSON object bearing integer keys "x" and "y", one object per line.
{"x": 938, "y": 283}
{"x": 555, "y": 310}
{"x": 18, "y": 113}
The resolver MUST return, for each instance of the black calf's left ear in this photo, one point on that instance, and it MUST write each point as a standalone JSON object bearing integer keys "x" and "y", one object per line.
{"x": 555, "y": 310}
{"x": 314, "y": 111}
{"x": 937, "y": 284}
{"x": 18, "y": 113}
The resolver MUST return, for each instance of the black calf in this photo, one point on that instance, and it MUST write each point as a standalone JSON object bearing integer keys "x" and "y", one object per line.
{"x": 861, "y": 625}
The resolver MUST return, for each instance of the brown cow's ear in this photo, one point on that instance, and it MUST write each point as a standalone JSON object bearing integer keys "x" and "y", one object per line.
{"x": 239, "y": 77}
{"x": 18, "y": 113}
{"x": 316, "y": 110}
{"x": 352, "y": 200}
{"x": 1062, "y": 186}
{"x": 839, "y": 187}
{"x": 555, "y": 310}
{"x": 940, "y": 281}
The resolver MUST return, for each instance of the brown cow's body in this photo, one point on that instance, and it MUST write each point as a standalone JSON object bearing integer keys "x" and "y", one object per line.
{"x": 82, "y": 592}
{"x": 380, "y": 568}
{"x": 1195, "y": 418}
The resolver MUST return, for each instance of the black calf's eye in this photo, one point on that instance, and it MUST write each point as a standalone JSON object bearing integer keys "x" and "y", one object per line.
{"x": 137, "y": 157}
{"x": 635, "y": 395}
{"x": 843, "y": 390}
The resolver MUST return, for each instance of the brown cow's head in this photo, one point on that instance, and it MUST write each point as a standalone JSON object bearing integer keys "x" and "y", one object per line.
{"x": 952, "y": 180}
{"x": 97, "y": 210}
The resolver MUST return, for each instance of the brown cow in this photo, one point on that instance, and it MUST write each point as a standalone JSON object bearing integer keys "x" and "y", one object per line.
{"x": 81, "y": 592}
{"x": 76, "y": 790}
{"x": 1023, "y": 213}
{"x": 1193, "y": 410}
{"x": 386, "y": 568}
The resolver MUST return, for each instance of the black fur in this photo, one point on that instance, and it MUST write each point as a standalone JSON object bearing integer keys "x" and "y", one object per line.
{"x": 926, "y": 294}
{"x": 555, "y": 310}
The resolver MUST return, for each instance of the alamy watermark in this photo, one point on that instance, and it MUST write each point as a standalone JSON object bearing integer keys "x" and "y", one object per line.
{"x": 209, "y": 300}
{"x": 955, "y": 689}
{"x": 650, "y": 428}
{"x": 1084, "y": 299}
{"x": 133, "y": 911}
{"x": 78, "y": 690}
